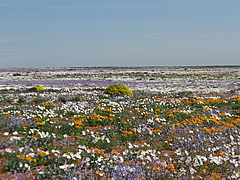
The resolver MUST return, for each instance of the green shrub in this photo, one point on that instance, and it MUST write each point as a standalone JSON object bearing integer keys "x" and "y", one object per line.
{"x": 62, "y": 99}
{"x": 17, "y": 74}
{"x": 118, "y": 89}
{"x": 37, "y": 88}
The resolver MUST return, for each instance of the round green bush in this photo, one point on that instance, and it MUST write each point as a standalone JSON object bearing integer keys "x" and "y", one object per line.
{"x": 118, "y": 89}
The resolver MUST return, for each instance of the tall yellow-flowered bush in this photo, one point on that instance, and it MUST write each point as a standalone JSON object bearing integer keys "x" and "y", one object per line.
{"x": 118, "y": 89}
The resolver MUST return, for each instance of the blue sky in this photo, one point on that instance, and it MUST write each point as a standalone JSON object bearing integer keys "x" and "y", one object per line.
{"x": 68, "y": 33}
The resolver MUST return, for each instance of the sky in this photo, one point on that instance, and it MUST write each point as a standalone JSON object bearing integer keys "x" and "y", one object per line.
{"x": 80, "y": 33}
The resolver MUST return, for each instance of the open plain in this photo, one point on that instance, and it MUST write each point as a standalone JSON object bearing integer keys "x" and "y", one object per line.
{"x": 181, "y": 123}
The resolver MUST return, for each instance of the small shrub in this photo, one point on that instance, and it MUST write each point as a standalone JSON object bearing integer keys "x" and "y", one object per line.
{"x": 37, "y": 88}
{"x": 38, "y": 100}
{"x": 118, "y": 89}
{"x": 17, "y": 74}
{"x": 21, "y": 100}
{"x": 62, "y": 99}
{"x": 75, "y": 98}
{"x": 196, "y": 67}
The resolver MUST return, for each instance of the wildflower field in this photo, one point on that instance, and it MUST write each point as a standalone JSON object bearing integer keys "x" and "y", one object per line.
{"x": 180, "y": 123}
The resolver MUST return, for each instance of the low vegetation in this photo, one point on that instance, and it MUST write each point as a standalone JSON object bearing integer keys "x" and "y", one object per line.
{"x": 148, "y": 132}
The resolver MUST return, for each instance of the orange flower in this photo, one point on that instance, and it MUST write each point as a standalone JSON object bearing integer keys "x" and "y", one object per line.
{"x": 100, "y": 173}
{"x": 133, "y": 130}
{"x": 7, "y": 114}
{"x": 222, "y": 153}
{"x": 40, "y": 123}
{"x": 171, "y": 166}
{"x": 207, "y": 130}
{"x": 98, "y": 151}
{"x": 178, "y": 124}
{"x": 105, "y": 155}
{"x": 91, "y": 148}
{"x": 156, "y": 169}
{"x": 115, "y": 152}
{"x": 222, "y": 114}
{"x": 79, "y": 127}
{"x": 215, "y": 176}
{"x": 42, "y": 153}
{"x": 29, "y": 158}
{"x": 128, "y": 162}
{"x": 79, "y": 137}
{"x": 173, "y": 127}
{"x": 20, "y": 156}
{"x": 156, "y": 130}
{"x": 127, "y": 132}
{"x": 171, "y": 115}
